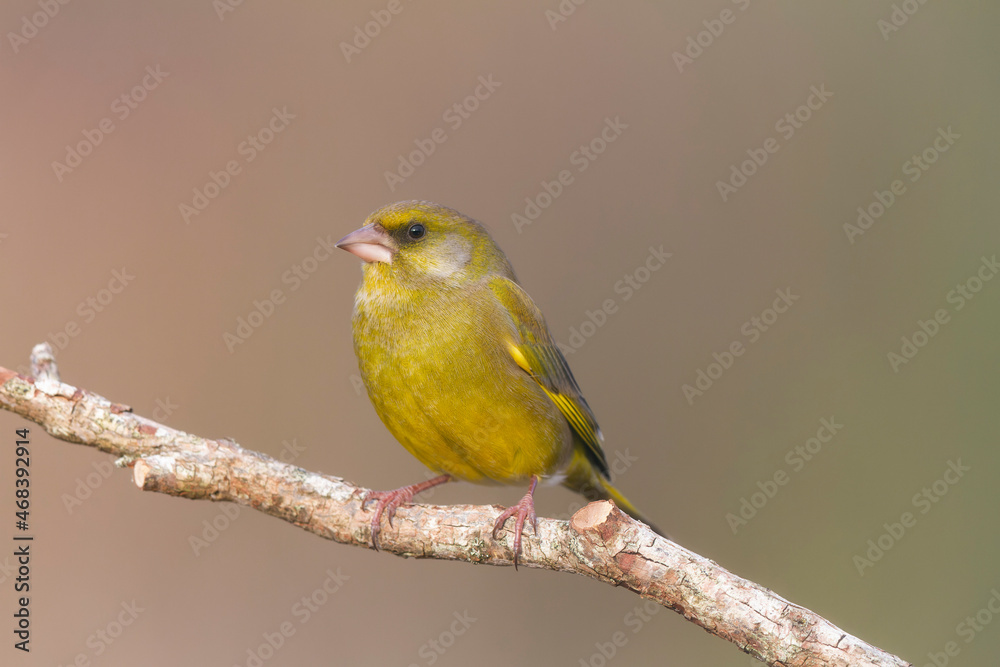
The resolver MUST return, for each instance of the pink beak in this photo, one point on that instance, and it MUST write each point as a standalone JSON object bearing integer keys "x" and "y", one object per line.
{"x": 371, "y": 243}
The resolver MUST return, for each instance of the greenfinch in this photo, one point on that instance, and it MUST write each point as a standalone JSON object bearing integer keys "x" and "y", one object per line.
{"x": 461, "y": 368}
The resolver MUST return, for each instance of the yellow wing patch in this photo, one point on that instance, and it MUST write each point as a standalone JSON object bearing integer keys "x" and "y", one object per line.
{"x": 534, "y": 352}
{"x": 519, "y": 357}
{"x": 571, "y": 404}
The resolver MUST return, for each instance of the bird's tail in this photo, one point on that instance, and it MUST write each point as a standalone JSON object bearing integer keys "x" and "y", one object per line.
{"x": 582, "y": 478}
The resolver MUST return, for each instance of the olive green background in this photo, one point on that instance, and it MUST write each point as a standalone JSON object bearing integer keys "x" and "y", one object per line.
{"x": 159, "y": 342}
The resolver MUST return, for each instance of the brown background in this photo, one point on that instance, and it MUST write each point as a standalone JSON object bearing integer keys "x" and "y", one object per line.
{"x": 161, "y": 338}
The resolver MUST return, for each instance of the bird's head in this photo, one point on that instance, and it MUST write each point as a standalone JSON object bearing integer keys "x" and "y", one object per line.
{"x": 419, "y": 243}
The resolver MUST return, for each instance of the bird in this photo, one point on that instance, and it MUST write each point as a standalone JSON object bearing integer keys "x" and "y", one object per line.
{"x": 460, "y": 366}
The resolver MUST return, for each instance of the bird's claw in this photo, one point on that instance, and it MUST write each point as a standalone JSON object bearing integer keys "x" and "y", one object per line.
{"x": 522, "y": 511}
{"x": 388, "y": 503}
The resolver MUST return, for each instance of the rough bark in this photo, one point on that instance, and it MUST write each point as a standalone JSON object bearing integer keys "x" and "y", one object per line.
{"x": 599, "y": 541}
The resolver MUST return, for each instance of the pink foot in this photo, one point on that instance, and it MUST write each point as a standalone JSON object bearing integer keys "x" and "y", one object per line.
{"x": 390, "y": 500}
{"x": 523, "y": 510}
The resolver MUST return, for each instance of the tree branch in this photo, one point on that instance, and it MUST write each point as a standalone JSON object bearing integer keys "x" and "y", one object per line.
{"x": 599, "y": 541}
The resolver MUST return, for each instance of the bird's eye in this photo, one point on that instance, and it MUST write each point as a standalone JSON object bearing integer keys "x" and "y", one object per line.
{"x": 416, "y": 231}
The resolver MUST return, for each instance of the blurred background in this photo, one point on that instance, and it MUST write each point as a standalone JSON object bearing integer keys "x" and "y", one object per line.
{"x": 780, "y": 390}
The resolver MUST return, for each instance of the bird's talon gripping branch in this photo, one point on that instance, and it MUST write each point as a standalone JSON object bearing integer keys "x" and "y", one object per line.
{"x": 522, "y": 511}
{"x": 389, "y": 502}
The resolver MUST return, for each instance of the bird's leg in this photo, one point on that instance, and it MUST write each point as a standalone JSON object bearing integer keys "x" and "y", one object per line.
{"x": 523, "y": 510}
{"x": 390, "y": 500}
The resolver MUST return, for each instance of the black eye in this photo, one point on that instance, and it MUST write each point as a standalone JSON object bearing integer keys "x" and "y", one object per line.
{"x": 416, "y": 231}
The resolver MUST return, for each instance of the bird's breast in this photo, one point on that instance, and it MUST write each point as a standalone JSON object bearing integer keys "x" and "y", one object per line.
{"x": 441, "y": 378}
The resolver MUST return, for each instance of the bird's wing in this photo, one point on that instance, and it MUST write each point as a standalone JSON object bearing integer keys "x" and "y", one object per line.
{"x": 539, "y": 356}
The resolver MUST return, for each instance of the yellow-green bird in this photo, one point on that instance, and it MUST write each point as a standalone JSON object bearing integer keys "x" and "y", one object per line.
{"x": 461, "y": 367}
